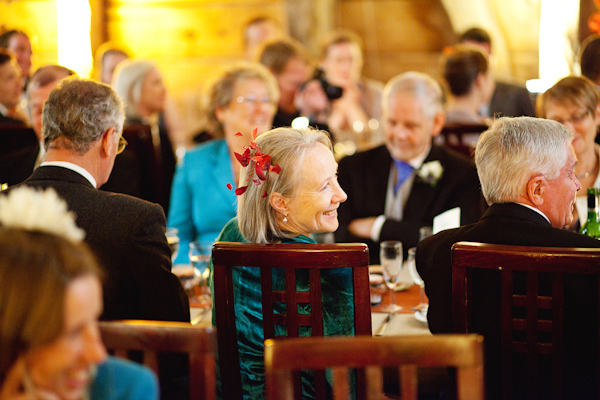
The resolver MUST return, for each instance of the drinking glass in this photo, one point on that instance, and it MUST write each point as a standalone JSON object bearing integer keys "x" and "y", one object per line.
{"x": 412, "y": 269}
{"x": 173, "y": 240}
{"x": 390, "y": 255}
{"x": 200, "y": 253}
{"x": 425, "y": 232}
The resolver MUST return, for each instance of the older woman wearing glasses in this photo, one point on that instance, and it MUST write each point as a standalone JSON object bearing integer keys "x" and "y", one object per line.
{"x": 242, "y": 99}
{"x": 574, "y": 102}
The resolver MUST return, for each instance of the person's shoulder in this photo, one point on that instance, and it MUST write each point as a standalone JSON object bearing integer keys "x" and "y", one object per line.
{"x": 509, "y": 87}
{"x": 231, "y": 232}
{"x": 123, "y": 380}
{"x": 206, "y": 147}
{"x": 367, "y": 156}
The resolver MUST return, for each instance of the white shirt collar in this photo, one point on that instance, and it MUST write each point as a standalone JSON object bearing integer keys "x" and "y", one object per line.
{"x": 536, "y": 210}
{"x": 418, "y": 160}
{"x": 73, "y": 167}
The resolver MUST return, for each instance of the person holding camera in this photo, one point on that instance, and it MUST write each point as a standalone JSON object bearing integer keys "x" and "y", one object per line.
{"x": 355, "y": 115}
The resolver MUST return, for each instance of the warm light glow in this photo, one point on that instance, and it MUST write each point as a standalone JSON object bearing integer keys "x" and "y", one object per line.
{"x": 73, "y": 20}
{"x": 559, "y": 21}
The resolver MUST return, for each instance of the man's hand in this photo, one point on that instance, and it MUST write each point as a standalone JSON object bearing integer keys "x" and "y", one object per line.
{"x": 361, "y": 227}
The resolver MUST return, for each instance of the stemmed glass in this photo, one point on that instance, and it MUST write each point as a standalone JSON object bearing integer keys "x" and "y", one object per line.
{"x": 173, "y": 240}
{"x": 199, "y": 254}
{"x": 412, "y": 270}
{"x": 390, "y": 255}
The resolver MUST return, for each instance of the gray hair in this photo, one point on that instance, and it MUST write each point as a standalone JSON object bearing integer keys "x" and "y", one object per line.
{"x": 77, "y": 113}
{"x": 128, "y": 80}
{"x": 513, "y": 150}
{"x": 287, "y": 148}
{"x": 418, "y": 85}
{"x": 221, "y": 91}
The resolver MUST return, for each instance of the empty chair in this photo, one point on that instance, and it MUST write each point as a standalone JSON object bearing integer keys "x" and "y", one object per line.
{"x": 538, "y": 310}
{"x": 341, "y": 354}
{"x": 155, "y": 337}
{"x": 313, "y": 259}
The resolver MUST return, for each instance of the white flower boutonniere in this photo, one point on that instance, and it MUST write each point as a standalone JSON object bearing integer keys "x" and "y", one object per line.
{"x": 431, "y": 172}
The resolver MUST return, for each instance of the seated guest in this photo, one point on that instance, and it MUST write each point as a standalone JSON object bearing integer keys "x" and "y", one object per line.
{"x": 50, "y": 301}
{"x": 82, "y": 125}
{"x": 11, "y": 89}
{"x": 140, "y": 84}
{"x": 527, "y": 171}
{"x": 258, "y": 31}
{"x": 508, "y": 100}
{"x": 574, "y": 101}
{"x": 470, "y": 84}
{"x": 108, "y": 56}
{"x": 243, "y": 98}
{"x": 16, "y": 167}
{"x": 590, "y": 58}
{"x": 397, "y": 188}
{"x": 356, "y": 114}
{"x": 286, "y": 207}
{"x": 19, "y": 44}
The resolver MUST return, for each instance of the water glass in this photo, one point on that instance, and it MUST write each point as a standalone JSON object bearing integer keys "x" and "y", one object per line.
{"x": 412, "y": 269}
{"x": 425, "y": 232}
{"x": 200, "y": 253}
{"x": 390, "y": 255}
{"x": 173, "y": 240}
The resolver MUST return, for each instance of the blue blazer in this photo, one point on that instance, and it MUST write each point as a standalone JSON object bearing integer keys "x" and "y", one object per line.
{"x": 201, "y": 204}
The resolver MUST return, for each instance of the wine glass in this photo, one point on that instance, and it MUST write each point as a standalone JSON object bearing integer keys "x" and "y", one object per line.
{"x": 412, "y": 270}
{"x": 173, "y": 240}
{"x": 200, "y": 253}
{"x": 390, "y": 255}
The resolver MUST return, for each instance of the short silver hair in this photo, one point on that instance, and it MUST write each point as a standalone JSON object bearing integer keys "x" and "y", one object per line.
{"x": 77, "y": 113}
{"x": 513, "y": 150}
{"x": 287, "y": 148}
{"x": 128, "y": 80}
{"x": 418, "y": 85}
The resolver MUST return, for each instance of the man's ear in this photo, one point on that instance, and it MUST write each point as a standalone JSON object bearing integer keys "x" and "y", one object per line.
{"x": 536, "y": 190}
{"x": 107, "y": 142}
{"x": 279, "y": 202}
{"x": 438, "y": 123}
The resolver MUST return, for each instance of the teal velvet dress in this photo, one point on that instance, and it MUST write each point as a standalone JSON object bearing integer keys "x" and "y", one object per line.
{"x": 338, "y": 312}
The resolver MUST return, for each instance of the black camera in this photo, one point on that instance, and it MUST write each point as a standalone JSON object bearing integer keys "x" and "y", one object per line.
{"x": 331, "y": 91}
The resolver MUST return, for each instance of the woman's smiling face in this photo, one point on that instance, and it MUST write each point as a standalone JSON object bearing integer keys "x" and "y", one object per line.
{"x": 313, "y": 206}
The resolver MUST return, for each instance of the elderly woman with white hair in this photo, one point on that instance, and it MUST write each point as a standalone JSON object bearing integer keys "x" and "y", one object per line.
{"x": 140, "y": 84}
{"x": 297, "y": 194}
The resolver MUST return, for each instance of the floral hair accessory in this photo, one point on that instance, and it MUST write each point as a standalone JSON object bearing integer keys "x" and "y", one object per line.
{"x": 39, "y": 210}
{"x": 262, "y": 163}
{"x": 431, "y": 172}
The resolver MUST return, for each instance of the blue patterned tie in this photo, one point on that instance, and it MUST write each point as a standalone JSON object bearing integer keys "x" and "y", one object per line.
{"x": 404, "y": 170}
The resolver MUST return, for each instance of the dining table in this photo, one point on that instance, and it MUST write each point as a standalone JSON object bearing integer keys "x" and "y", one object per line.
{"x": 403, "y": 322}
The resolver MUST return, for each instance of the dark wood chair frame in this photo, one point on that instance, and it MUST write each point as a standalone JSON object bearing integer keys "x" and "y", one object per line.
{"x": 340, "y": 354}
{"x": 556, "y": 262}
{"x": 314, "y": 257}
{"x": 453, "y": 137}
{"x": 155, "y": 337}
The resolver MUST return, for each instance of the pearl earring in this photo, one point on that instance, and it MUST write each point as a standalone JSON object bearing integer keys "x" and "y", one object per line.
{"x": 285, "y": 219}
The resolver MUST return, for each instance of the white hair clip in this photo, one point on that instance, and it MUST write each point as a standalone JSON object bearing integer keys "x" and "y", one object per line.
{"x": 39, "y": 210}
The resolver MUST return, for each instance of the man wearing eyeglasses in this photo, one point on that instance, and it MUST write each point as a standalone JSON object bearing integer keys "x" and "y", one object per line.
{"x": 82, "y": 122}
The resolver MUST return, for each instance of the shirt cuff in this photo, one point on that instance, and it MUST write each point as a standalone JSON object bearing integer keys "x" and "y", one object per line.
{"x": 376, "y": 228}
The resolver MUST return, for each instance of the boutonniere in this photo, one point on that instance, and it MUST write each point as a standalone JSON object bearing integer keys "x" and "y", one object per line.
{"x": 431, "y": 172}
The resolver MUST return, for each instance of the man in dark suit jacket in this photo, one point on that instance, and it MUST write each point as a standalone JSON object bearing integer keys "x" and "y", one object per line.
{"x": 382, "y": 206}
{"x": 526, "y": 167}
{"x": 82, "y": 125}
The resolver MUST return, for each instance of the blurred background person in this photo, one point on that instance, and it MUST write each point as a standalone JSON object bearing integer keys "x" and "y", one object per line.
{"x": 16, "y": 167}
{"x": 108, "y": 56}
{"x": 470, "y": 83}
{"x": 50, "y": 301}
{"x": 355, "y": 116}
{"x": 11, "y": 89}
{"x": 574, "y": 101}
{"x": 19, "y": 44}
{"x": 257, "y": 31}
{"x": 300, "y": 200}
{"x": 243, "y": 98}
{"x": 508, "y": 100}
{"x": 140, "y": 84}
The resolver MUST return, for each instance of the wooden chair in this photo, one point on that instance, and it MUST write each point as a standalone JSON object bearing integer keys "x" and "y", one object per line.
{"x": 290, "y": 257}
{"x": 460, "y": 137}
{"x": 16, "y": 137}
{"x": 526, "y": 301}
{"x": 340, "y": 354}
{"x": 154, "y": 337}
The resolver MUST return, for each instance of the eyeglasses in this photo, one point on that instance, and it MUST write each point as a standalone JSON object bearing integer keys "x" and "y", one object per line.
{"x": 573, "y": 119}
{"x": 122, "y": 144}
{"x": 253, "y": 100}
